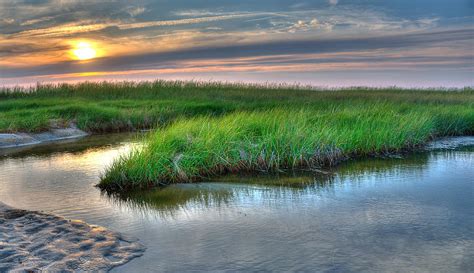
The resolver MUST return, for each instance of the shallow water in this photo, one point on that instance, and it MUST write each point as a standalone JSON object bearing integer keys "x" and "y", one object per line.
{"x": 382, "y": 215}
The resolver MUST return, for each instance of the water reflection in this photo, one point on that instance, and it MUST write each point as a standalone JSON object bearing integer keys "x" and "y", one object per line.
{"x": 73, "y": 146}
{"x": 379, "y": 215}
{"x": 167, "y": 201}
{"x": 173, "y": 198}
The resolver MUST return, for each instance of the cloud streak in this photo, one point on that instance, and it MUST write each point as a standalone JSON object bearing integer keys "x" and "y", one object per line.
{"x": 225, "y": 36}
{"x": 274, "y": 52}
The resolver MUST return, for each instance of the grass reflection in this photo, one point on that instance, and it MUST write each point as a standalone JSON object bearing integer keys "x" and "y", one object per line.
{"x": 257, "y": 188}
{"x": 73, "y": 146}
{"x": 174, "y": 197}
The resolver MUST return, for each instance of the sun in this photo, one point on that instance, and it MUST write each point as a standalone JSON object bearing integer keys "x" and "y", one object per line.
{"x": 84, "y": 51}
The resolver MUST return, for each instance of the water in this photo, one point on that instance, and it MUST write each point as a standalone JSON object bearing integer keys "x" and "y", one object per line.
{"x": 382, "y": 215}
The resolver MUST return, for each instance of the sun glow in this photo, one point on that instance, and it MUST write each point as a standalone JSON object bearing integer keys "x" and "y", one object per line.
{"x": 84, "y": 51}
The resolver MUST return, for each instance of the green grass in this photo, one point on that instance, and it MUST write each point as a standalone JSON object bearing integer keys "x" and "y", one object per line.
{"x": 208, "y": 129}
{"x": 273, "y": 140}
{"x": 127, "y": 106}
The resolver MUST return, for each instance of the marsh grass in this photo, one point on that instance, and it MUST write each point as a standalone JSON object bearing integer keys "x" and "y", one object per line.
{"x": 128, "y": 106}
{"x": 209, "y": 129}
{"x": 278, "y": 140}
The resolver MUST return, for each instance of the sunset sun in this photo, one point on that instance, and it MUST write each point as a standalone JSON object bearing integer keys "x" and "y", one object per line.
{"x": 84, "y": 51}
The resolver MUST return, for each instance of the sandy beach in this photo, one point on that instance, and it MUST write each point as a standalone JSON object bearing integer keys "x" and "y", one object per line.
{"x": 32, "y": 241}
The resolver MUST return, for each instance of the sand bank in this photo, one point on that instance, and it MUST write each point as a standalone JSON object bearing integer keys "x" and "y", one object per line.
{"x": 36, "y": 241}
{"x": 26, "y": 139}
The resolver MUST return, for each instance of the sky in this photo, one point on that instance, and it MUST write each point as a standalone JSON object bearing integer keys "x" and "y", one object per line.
{"x": 327, "y": 43}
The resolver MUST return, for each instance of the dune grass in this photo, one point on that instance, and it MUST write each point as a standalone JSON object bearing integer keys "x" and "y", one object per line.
{"x": 208, "y": 129}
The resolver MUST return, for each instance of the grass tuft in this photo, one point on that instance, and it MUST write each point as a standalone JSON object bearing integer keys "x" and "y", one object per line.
{"x": 275, "y": 140}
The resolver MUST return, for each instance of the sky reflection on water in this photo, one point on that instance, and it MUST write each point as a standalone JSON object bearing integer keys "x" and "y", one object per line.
{"x": 378, "y": 215}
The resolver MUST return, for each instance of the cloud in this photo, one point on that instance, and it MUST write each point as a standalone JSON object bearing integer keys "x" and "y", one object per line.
{"x": 299, "y": 5}
{"x": 135, "y": 11}
{"x": 198, "y": 13}
{"x": 302, "y": 55}
{"x": 308, "y": 25}
{"x": 7, "y": 21}
{"x": 37, "y": 21}
{"x": 63, "y": 30}
{"x": 87, "y": 26}
{"x": 35, "y": 33}
{"x": 26, "y": 48}
{"x": 186, "y": 21}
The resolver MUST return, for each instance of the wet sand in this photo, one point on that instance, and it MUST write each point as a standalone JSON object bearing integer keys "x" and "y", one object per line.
{"x": 35, "y": 241}
{"x": 27, "y": 139}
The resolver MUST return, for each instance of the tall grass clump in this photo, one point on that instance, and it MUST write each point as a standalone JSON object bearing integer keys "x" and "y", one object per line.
{"x": 274, "y": 140}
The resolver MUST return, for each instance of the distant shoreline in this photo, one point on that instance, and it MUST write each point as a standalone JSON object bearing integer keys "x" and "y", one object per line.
{"x": 34, "y": 86}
